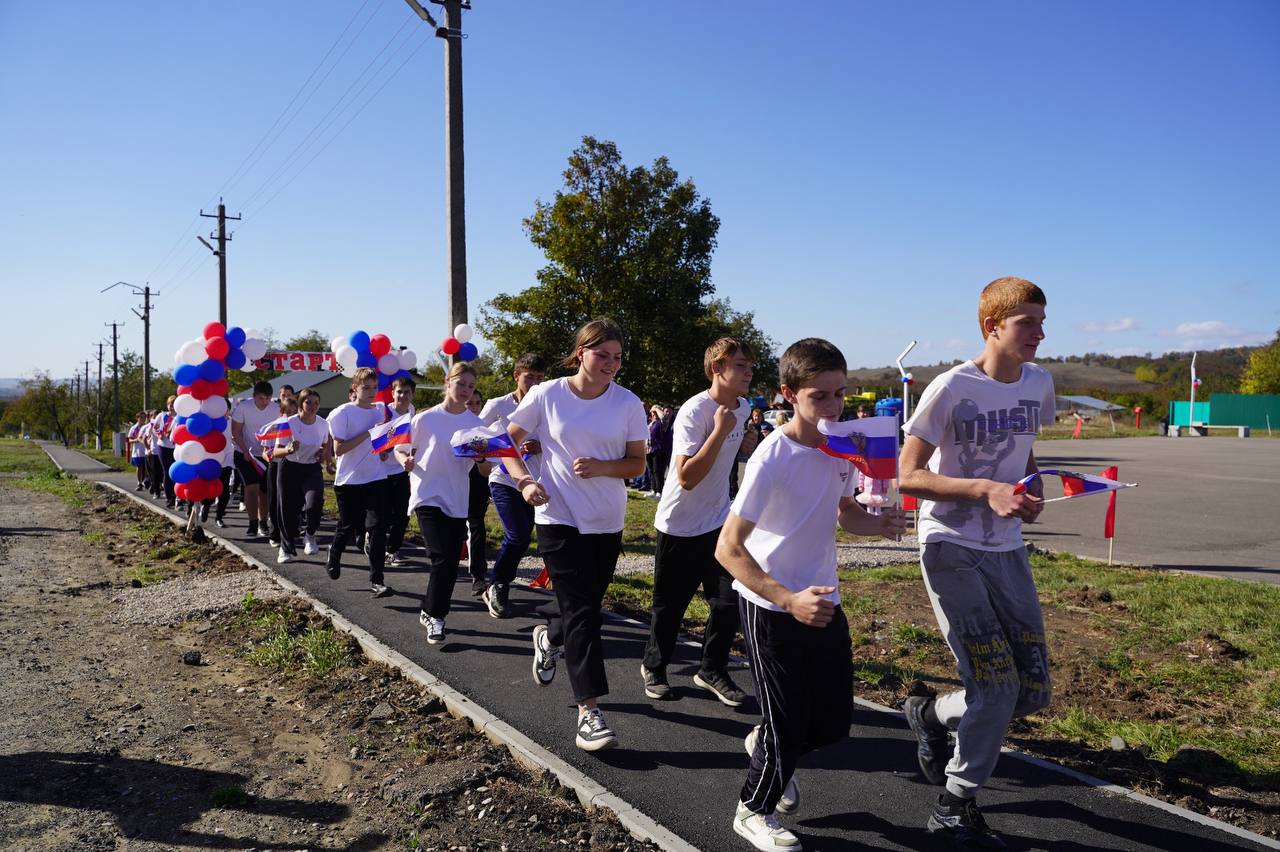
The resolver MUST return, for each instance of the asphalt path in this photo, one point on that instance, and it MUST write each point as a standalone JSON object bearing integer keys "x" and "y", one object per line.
{"x": 682, "y": 762}
{"x": 1206, "y": 505}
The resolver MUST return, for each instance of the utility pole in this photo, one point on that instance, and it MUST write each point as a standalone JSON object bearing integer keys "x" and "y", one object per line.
{"x": 455, "y": 193}
{"x": 99, "y": 406}
{"x": 86, "y": 402}
{"x": 221, "y": 253}
{"x": 145, "y": 316}
{"x": 115, "y": 371}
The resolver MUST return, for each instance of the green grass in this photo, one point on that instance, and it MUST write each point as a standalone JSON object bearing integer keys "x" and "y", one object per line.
{"x": 146, "y": 575}
{"x": 37, "y": 473}
{"x": 95, "y": 537}
{"x": 635, "y": 591}
{"x": 22, "y": 457}
{"x": 315, "y": 651}
{"x": 912, "y": 636}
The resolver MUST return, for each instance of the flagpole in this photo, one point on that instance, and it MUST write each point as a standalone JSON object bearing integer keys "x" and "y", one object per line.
{"x": 1111, "y": 547}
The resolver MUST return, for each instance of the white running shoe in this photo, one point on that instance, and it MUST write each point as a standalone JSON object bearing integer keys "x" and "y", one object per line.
{"x": 544, "y": 656}
{"x": 435, "y": 628}
{"x": 283, "y": 557}
{"x": 763, "y": 831}
{"x": 790, "y": 801}
{"x": 593, "y": 733}
{"x": 310, "y": 547}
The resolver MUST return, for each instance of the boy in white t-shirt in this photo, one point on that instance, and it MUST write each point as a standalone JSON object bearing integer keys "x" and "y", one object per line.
{"x": 138, "y": 449}
{"x": 779, "y": 544}
{"x": 969, "y": 442}
{"x": 246, "y": 419}
{"x": 707, "y": 434}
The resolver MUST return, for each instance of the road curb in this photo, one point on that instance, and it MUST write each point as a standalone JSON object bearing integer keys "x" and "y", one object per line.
{"x": 590, "y": 793}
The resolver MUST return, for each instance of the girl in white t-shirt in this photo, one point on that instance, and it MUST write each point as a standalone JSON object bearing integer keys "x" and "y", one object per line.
{"x": 301, "y": 475}
{"x": 593, "y": 438}
{"x": 439, "y": 485}
{"x": 137, "y": 449}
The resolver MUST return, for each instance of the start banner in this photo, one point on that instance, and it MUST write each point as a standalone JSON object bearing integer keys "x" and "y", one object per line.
{"x": 290, "y": 361}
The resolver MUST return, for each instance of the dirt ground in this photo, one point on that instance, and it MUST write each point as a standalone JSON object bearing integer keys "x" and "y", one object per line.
{"x": 116, "y": 737}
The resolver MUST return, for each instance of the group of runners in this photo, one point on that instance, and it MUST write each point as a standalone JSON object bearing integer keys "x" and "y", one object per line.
{"x": 765, "y": 560}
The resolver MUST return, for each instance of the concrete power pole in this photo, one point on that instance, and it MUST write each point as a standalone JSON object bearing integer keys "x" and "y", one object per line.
{"x": 221, "y": 253}
{"x": 115, "y": 372}
{"x": 455, "y": 192}
{"x": 145, "y": 316}
{"x": 99, "y": 405}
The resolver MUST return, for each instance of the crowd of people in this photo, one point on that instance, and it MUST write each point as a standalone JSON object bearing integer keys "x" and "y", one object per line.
{"x": 762, "y": 553}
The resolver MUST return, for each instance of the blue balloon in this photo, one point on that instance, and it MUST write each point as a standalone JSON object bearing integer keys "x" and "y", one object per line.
{"x": 182, "y": 472}
{"x": 402, "y": 374}
{"x": 182, "y": 421}
{"x": 383, "y": 381}
{"x": 186, "y": 374}
{"x": 467, "y": 352}
{"x": 360, "y": 341}
{"x": 208, "y": 469}
{"x": 217, "y": 424}
{"x": 366, "y": 359}
{"x": 199, "y": 423}
{"x": 212, "y": 370}
{"x": 235, "y": 359}
{"x": 235, "y": 337}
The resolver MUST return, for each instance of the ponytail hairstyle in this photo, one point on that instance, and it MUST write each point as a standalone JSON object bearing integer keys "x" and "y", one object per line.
{"x": 591, "y": 335}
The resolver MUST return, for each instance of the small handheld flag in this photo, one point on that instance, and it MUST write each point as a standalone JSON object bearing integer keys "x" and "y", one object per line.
{"x": 870, "y": 444}
{"x": 276, "y": 430}
{"x": 392, "y": 434}
{"x": 1074, "y": 484}
{"x": 487, "y": 442}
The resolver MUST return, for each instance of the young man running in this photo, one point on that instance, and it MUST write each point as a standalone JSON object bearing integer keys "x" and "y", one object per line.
{"x": 251, "y": 467}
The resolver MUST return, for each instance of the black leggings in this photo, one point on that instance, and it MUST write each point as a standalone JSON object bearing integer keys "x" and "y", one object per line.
{"x": 397, "y": 510}
{"x": 224, "y": 497}
{"x": 301, "y": 489}
{"x": 443, "y": 536}
{"x": 362, "y": 507}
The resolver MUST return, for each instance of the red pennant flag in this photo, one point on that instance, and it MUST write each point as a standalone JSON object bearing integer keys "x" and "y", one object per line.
{"x": 542, "y": 581}
{"x": 1110, "y": 526}
{"x": 909, "y": 503}
{"x": 1079, "y": 426}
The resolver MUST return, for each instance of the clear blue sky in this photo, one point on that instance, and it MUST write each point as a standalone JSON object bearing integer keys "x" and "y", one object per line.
{"x": 872, "y": 164}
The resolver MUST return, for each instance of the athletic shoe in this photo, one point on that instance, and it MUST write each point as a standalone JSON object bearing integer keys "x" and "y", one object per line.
{"x": 477, "y": 587}
{"x": 495, "y": 598}
{"x": 763, "y": 831}
{"x": 204, "y": 513}
{"x": 283, "y": 557}
{"x": 334, "y": 568}
{"x": 253, "y": 530}
{"x": 790, "y": 801}
{"x": 593, "y": 733}
{"x": 655, "y": 683}
{"x": 393, "y": 557}
{"x": 273, "y": 540}
{"x": 220, "y": 523}
{"x": 719, "y": 684}
{"x": 933, "y": 747}
{"x": 168, "y": 504}
{"x": 241, "y": 506}
{"x": 435, "y": 628}
{"x": 139, "y": 488}
{"x": 309, "y": 546}
{"x": 963, "y": 823}
{"x": 379, "y": 590}
{"x": 544, "y": 656}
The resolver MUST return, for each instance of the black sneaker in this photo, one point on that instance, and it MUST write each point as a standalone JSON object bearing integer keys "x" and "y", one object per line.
{"x": 435, "y": 628}
{"x": 719, "y": 684}
{"x": 593, "y": 733}
{"x": 204, "y": 513}
{"x": 139, "y": 488}
{"x": 477, "y": 587}
{"x": 933, "y": 747}
{"x": 378, "y": 590}
{"x": 495, "y": 598}
{"x": 655, "y": 683}
{"x": 334, "y": 567}
{"x": 253, "y": 532}
{"x": 544, "y": 656}
{"x": 220, "y": 523}
{"x": 963, "y": 823}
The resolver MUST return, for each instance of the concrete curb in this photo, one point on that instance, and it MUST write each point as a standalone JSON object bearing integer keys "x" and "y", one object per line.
{"x": 523, "y": 750}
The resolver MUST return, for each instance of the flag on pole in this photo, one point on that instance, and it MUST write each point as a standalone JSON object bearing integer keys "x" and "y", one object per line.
{"x": 1074, "y": 484}
{"x": 276, "y": 430}
{"x": 484, "y": 442}
{"x": 391, "y": 434}
{"x": 1109, "y": 527}
{"x": 870, "y": 444}
{"x": 256, "y": 464}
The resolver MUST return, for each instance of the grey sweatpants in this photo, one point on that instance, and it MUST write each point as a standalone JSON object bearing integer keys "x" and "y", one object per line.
{"x": 987, "y": 607}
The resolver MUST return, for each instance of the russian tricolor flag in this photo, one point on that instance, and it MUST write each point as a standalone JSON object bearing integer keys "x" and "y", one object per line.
{"x": 488, "y": 442}
{"x": 870, "y": 443}
{"x": 388, "y": 435}
{"x": 276, "y": 430}
{"x": 1075, "y": 484}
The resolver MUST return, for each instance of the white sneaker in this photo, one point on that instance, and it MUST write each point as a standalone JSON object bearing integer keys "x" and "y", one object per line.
{"x": 241, "y": 505}
{"x": 593, "y": 733}
{"x": 282, "y": 557}
{"x": 763, "y": 831}
{"x": 435, "y": 628}
{"x": 790, "y": 801}
{"x": 310, "y": 545}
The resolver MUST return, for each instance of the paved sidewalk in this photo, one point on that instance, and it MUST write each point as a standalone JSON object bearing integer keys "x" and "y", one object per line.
{"x": 682, "y": 762}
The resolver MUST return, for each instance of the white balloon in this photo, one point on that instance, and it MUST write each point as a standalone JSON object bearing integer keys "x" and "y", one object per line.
{"x": 214, "y": 406}
{"x": 191, "y": 452}
{"x": 193, "y": 352}
{"x": 346, "y": 355}
{"x": 349, "y": 371}
{"x": 177, "y": 356}
{"x": 337, "y": 342}
{"x": 254, "y": 348}
{"x": 388, "y": 365}
{"x": 463, "y": 332}
{"x": 249, "y": 366}
{"x": 186, "y": 405}
{"x": 408, "y": 359}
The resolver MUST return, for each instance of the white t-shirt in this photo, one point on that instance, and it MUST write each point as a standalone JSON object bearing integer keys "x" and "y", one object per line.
{"x": 153, "y": 438}
{"x": 392, "y": 464}
{"x": 228, "y": 454}
{"x": 792, "y": 494}
{"x": 136, "y": 449}
{"x": 162, "y": 426}
{"x": 983, "y": 429}
{"x": 360, "y": 465}
{"x": 439, "y": 478}
{"x": 704, "y": 507}
{"x": 570, "y": 427}
{"x": 498, "y": 410}
{"x": 310, "y": 439}
{"x": 252, "y": 418}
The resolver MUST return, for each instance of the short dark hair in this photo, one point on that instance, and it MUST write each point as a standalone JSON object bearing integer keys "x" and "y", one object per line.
{"x": 530, "y": 362}
{"x": 288, "y": 388}
{"x": 263, "y": 387}
{"x": 806, "y": 358}
{"x": 404, "y": 382}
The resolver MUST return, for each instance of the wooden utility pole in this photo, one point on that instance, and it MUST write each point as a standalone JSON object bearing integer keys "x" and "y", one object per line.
{"x": 221, "y": 253}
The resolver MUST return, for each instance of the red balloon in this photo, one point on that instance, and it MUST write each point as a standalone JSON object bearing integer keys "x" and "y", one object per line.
{"x": 215, "y": 329}
{"x": 182, "y": 389}
{"x": 212, "y": 488}
{"x": 386, "y": 395}
{"x": 450, "y": 346}
{"x": 183, "y": 491}
{"x": 213, "y": 442}
{"x": 181, "y": 435}
{"x": 217, "y": 348}
{"x": 379, "y": 345}
{"x": 200, "y": 389}
{"x": 218, "y": 388}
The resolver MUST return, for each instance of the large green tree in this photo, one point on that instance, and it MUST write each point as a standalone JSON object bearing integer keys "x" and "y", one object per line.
{"x": 633, "y": 244}
{"x": 1262, "y": 373}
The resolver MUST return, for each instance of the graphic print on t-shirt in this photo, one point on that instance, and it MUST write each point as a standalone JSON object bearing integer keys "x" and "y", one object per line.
{"x": 983, "y": 440}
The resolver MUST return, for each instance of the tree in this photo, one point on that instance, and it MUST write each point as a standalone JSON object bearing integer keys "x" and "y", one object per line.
{"x": 46, "y": 408}
{"x": 631, "y": 244}
{"x": 1262, "y": 372}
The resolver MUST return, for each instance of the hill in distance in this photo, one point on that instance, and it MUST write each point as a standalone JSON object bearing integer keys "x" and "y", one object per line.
{"x": 1066, "y": 375}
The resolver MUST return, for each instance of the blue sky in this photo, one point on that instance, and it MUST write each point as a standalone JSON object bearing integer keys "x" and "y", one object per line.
{"x": 872, "y": 164}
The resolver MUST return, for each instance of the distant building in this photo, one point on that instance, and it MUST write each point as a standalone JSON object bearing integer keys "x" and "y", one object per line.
{"x": 332, "y": 387}
{"x": 1086, "y": 406}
